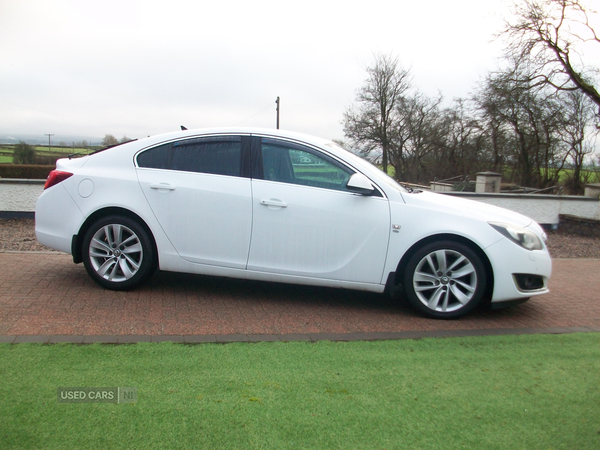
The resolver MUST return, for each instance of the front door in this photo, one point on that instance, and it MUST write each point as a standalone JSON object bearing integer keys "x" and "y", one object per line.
{"x": 307, "y": 224}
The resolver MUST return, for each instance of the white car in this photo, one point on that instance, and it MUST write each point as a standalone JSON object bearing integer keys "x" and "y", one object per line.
{"x": 239, "y": 203}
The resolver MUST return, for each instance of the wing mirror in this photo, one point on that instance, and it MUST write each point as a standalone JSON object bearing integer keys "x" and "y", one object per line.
{"x": 360, "y": 184}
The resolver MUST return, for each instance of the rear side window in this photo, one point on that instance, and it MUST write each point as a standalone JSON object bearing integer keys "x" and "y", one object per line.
{"x": 214, "y": 155}
{"x": 155, "y": 158}
{"x": 220, "y": 157}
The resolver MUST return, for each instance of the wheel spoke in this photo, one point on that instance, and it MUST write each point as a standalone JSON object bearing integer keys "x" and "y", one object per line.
{"x": 446, "y": 299}
{"x": 466, "y": 286}
{"x": 422, "y": 277}
{"x": 107, "y": 235}
{"x": 440, "y": 256}
{"x": 105, "y": 267}
{"x": 136, "y": 248}
{"x": 434, "y": 300}
{"x": 460, "y": 296}
{"x": 468, "y": 269}
{"x": 127, "y": 272}
{"x": 133, "y": 263}
{"x": 457, "y": 263}
{"x": 427, "y": 287}
{"x": 113, "y": 272}
{"x": 117, "y": 231}
{"x": 100, "y": 245}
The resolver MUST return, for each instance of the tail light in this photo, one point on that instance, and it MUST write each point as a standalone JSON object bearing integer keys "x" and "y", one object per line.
{"x": 55, "y": 177}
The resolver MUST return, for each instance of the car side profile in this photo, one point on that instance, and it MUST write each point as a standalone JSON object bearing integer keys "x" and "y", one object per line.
{"x": 283, "y": 207}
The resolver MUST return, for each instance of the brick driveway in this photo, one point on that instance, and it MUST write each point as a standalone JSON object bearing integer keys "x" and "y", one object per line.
{"x": 44, "y": 297}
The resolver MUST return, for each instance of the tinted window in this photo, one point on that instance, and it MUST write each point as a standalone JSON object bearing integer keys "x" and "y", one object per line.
{"x": 155, "y": 158}
{"x": 217, "y": 156}
{"x": 290, "y": 163}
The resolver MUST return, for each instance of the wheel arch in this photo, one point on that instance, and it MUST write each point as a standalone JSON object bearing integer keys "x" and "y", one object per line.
{"x": 489, "y": 289}
{"x": 77, "y": 242}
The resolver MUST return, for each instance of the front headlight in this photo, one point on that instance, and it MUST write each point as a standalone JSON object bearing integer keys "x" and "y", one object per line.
{"x": 525, "y": 238}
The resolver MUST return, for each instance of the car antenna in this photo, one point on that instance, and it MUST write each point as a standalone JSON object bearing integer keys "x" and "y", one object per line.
{"x": 182, "y": 127}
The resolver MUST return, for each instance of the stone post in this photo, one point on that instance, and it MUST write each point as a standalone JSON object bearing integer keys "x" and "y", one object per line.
{"x": 488, "y": 182}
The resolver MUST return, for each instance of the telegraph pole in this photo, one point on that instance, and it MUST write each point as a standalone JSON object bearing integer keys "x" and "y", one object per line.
{"x": 48, "y": 134}
{"x": 278, "y": 103}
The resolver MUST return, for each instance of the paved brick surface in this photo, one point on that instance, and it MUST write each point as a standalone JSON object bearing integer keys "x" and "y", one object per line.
{"x": 44, "y": 297}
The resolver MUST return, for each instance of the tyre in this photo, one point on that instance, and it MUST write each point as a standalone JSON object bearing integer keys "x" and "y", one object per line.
{"x": 445, "y": 280}
{"x": 118, "y": 253}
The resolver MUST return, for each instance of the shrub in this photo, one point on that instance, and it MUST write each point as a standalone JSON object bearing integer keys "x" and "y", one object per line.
{"x": 26, "y": 171}
{"x": 23, "y": 154}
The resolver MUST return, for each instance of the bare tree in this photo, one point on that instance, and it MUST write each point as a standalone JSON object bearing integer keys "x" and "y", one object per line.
{"x": 109, "y": 140}
{"x": 578, "y": 135}
{"x": 528, "y": 118}
{"x": 370, "y": 122}
{"x": 417, "y": 129}
{"x": 552, "y": 34}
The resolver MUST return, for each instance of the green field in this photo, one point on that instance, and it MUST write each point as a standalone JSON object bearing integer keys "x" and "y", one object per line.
{"x": 6, "y": 152}
{"x": 507, "y": 392}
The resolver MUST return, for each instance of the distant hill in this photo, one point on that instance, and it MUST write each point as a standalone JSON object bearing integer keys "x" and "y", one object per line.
{"x": 36, "y": 139}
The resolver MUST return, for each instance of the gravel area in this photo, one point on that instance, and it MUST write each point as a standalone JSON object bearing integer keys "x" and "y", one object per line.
{"x": 19, "y": 235}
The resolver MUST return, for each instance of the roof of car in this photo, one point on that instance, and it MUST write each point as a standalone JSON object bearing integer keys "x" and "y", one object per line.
{"x": 152, "y": 140}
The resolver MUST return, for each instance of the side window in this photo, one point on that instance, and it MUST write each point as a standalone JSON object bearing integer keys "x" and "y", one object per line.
{"x": 215, "y": 156}
{"x": 155, "y": 158}
{"x": 289, "y": 163}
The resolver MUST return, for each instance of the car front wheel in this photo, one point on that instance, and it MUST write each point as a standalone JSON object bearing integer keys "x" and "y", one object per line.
{"x": 445, "y": 280}
{"x": 118, "y": 253}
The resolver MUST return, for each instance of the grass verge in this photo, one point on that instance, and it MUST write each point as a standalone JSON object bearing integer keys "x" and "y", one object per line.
{"x": 513, "y": 392}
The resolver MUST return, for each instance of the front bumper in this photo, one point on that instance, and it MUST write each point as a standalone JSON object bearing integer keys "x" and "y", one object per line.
{"x": 513, "y": 266}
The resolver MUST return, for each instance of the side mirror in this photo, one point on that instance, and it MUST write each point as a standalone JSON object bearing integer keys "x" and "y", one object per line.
{"x": 360, "y": 184}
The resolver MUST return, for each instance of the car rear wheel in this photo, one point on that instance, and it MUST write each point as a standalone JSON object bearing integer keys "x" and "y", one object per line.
{"x": 118, "y": 253}
{"x": 445, "y": 280}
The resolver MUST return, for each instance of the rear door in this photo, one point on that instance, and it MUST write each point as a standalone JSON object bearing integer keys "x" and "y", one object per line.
{"x": 200, "y": 192}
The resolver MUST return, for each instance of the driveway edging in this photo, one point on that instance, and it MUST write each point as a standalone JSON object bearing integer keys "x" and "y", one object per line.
{"x": 310, "y": 337}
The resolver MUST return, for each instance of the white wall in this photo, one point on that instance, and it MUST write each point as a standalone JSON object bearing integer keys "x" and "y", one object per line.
{"x": 19, "y": 195}
{"x": 541, "y": 208}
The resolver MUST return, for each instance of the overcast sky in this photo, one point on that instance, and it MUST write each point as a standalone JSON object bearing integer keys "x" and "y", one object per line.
{"x": 138, "y": 68}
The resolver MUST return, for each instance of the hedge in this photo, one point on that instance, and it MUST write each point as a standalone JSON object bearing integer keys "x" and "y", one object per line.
{"x": 25, "y": 171}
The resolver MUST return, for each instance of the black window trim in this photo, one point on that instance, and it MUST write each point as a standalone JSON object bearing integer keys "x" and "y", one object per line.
{"x": 245, "y": 153}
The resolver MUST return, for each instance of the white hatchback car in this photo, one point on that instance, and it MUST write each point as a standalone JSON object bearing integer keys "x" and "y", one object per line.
{"x": 283, "y": 207}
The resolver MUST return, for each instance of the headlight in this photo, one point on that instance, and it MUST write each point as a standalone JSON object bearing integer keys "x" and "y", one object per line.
{"x": 525, "y": 238}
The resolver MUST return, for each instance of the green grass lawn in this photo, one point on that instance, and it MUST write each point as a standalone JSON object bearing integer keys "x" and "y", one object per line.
{"x": 507, "y": 392}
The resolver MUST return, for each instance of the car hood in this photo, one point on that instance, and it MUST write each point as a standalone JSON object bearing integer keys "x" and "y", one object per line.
{"x": 449, "y": 204}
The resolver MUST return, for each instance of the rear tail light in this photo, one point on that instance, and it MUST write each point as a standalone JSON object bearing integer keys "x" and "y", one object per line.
{"x": 55, "y": 177}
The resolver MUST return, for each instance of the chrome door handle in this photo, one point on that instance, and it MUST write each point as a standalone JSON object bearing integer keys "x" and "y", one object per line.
{"x": 165, "y": 186}
{"x": 274, "y": 202}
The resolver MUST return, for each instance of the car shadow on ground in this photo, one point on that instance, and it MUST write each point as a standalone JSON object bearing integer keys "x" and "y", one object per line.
{"x": 249, "y": 292}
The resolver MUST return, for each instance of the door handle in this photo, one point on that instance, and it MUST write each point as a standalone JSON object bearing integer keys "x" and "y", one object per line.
{"x": 165, "y": 186}
{"x": 274, "y": 202}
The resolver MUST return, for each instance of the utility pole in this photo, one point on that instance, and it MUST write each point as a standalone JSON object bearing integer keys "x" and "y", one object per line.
{"x": 278, "y": 103}
{"x": 48, "y": 134}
